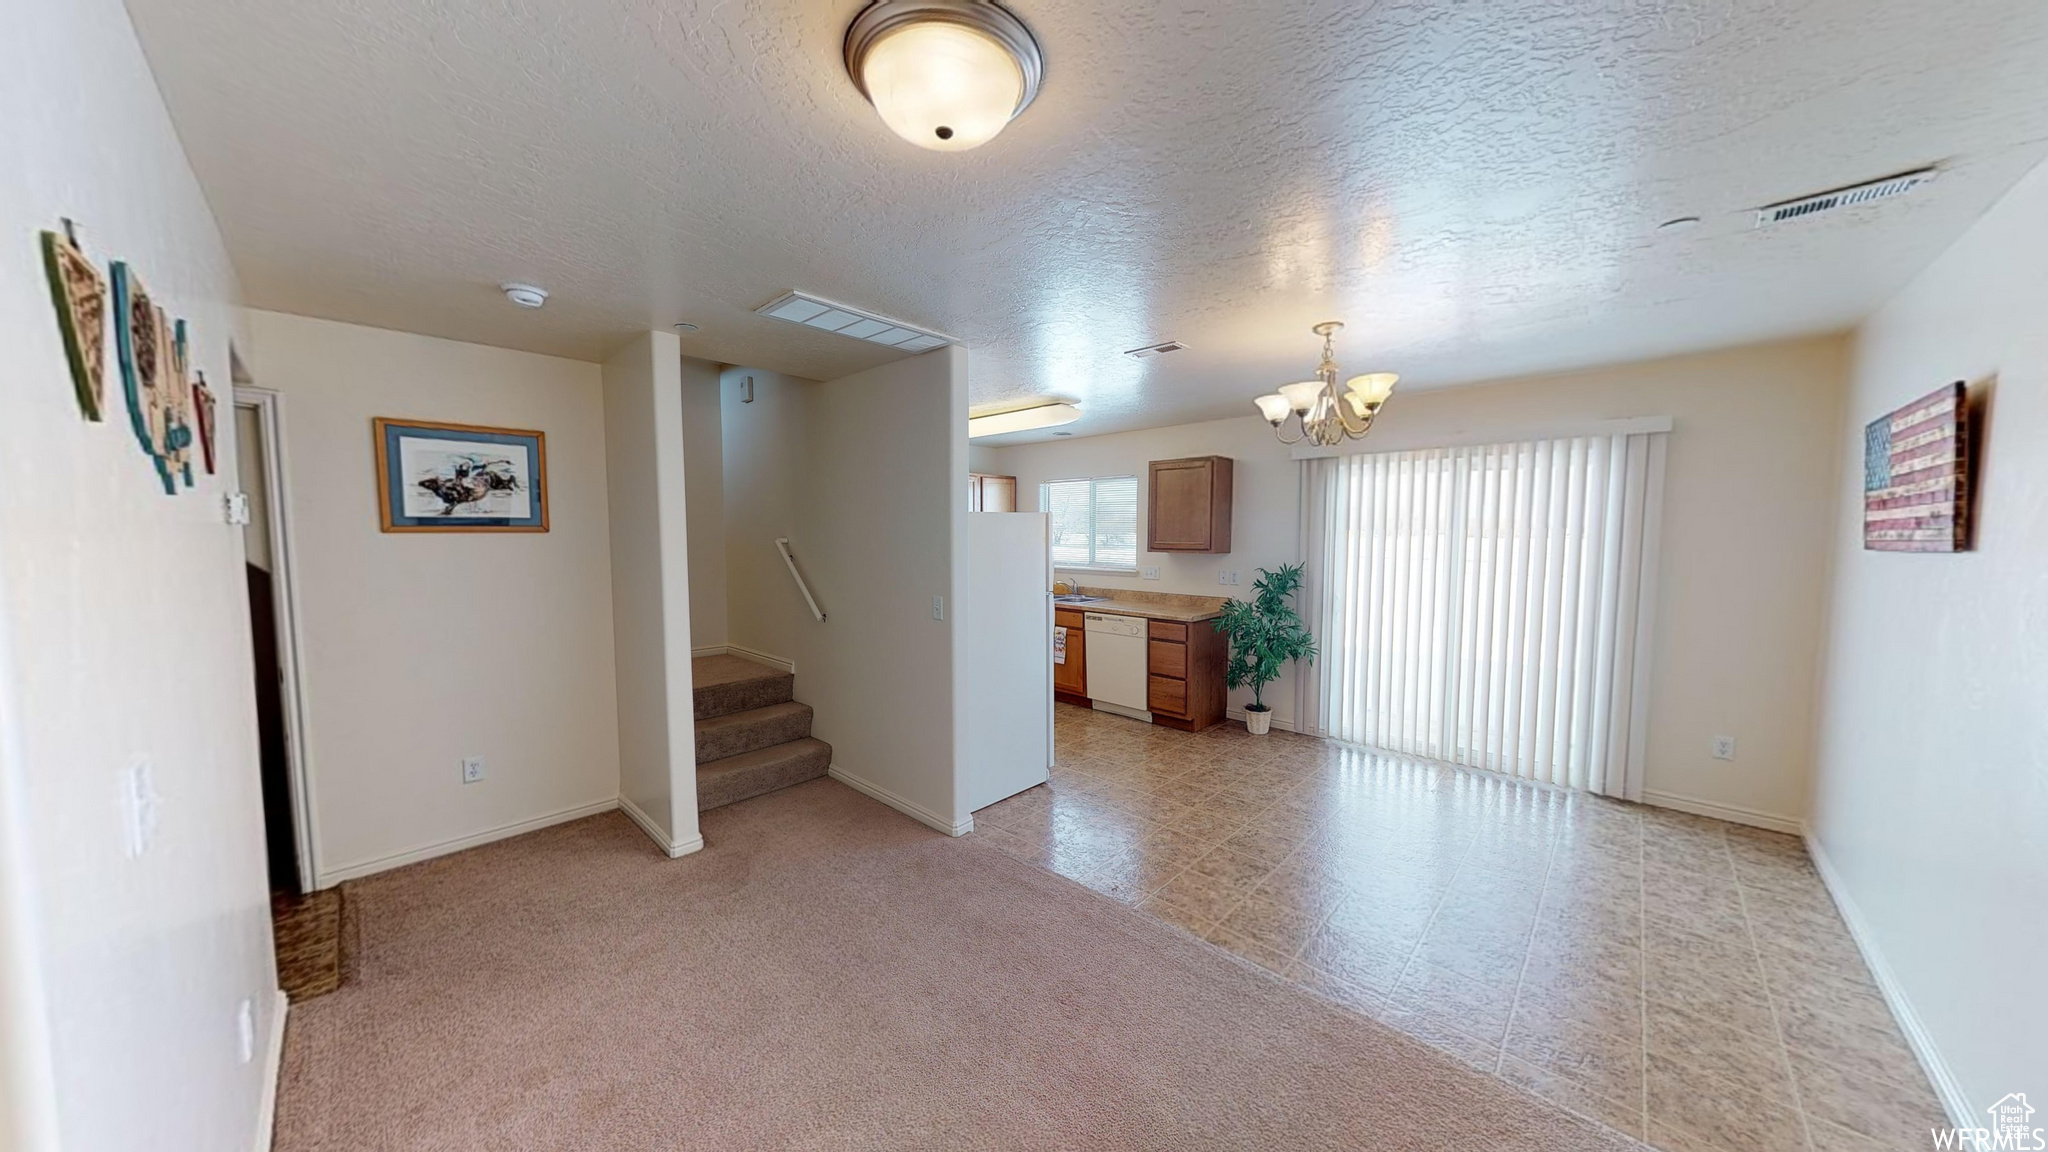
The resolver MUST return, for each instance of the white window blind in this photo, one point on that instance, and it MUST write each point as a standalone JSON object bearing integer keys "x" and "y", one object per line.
{"x": 1094, "y": 521}
{"x": 1488, "y": 605}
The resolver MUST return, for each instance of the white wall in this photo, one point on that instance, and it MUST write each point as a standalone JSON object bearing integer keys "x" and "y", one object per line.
{"x": 124, "y": 635}
{"x": 422, "y": 648}
{"x": 1932, "y": 795}
{"x": 866, "y": 475}
{"x": 704, "y": 470}
{"x": 651, "y": 593}
{"x": 1748, "y": 504}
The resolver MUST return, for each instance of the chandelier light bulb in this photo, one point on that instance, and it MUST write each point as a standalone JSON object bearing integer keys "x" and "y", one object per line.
{"x": 1302, "y": 397}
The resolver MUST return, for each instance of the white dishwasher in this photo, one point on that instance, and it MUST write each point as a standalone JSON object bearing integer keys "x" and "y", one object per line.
{"x": 1117, "y": 678}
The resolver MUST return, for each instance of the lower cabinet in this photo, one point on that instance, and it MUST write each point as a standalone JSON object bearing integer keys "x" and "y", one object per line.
{"x": 1070, "y": 680}
{"x": 1186, "y": 688}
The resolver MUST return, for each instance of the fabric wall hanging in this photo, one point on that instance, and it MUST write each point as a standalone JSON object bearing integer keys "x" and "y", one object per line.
{"x": 204, "y": 415}
{"x": 152, "y": 358}
{"x": 80, "y": 293}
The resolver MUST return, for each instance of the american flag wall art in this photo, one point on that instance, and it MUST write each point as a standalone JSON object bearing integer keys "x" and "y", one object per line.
{"x": 1915, "y": 475}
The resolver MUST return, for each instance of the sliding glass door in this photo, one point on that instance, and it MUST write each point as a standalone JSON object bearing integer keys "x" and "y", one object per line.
{"x": 1486, "y": 605}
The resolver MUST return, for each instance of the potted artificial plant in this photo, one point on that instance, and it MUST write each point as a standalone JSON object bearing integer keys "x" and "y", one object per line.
{"x": 1265, "y": 632}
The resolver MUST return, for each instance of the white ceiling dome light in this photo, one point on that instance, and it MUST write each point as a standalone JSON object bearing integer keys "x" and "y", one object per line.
{"x": 944, "y": 74}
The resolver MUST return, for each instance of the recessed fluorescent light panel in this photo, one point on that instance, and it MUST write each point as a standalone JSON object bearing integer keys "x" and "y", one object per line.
{"x": 1022, "y": 420}
{"x": 812, "y": 312}
{"x": 1151, "y": 350}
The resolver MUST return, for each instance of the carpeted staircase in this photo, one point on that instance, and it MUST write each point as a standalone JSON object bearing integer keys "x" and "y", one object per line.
{"x": 751, "y": 736}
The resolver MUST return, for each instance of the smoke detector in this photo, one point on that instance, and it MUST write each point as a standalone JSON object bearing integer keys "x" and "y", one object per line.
{"x": 1847, "y": 197}
{"x": 1151, "y": 350}
{"x": 525, "y": 295}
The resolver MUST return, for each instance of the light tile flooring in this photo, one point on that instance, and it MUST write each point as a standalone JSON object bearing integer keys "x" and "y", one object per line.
{"x": 1683, "y": 980}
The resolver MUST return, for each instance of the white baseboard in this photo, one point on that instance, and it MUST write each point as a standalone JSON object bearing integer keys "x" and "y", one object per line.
{"x": 356, "y": 871}
{"x": 710, "y": 650}
{"x": 1946, "y": 1086}
{"x": 674, "y": 848}
{"x": 1237, "y": 714}
{"x": 916, "y": 812}
{"x": 1734, "y": 814}
{"x": 273, "y": 1068}
{"x": 788, "y": 666}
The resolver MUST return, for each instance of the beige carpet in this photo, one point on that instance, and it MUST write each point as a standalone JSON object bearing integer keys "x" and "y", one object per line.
{"x": 830, "y": 975}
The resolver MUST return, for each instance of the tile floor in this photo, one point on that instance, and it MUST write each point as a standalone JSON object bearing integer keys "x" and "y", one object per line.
{"x": 1683, "y": 980}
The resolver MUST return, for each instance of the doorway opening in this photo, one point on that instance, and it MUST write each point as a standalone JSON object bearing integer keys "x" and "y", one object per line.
{"x": 306, "y": 920}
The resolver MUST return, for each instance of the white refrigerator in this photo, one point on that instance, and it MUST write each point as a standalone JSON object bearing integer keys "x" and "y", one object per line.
{"x": 1007, "y": 618}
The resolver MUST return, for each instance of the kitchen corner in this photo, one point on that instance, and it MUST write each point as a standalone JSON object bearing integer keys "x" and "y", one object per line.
{"x": 1151, "y": 656}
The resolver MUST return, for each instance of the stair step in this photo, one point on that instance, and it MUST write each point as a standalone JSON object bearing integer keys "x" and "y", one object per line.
{"x": 751, "y": 774}
{"x": 726, "y": 684}
{"x": 755, "y": 728}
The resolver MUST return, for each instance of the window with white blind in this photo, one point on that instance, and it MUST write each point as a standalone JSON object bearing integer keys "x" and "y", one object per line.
{"x": 1094, "y": 521}
{"x": 1488, "y": 605}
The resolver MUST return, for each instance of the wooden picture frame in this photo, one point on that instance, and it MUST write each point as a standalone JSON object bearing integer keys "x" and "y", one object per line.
{"x": 434, "y": 476}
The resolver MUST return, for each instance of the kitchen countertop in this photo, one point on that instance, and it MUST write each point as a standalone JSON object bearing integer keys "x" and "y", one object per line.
{"x": 1151, "y": 605}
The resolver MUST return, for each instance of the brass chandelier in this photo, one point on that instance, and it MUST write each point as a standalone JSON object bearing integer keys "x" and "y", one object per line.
{"x": 1324, "y": 415}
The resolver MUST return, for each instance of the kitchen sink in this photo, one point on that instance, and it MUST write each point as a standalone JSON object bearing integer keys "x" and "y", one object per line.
{"x": 1076, "y": 598}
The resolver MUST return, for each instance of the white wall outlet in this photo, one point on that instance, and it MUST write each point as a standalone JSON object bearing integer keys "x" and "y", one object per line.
{"x": 472, "y": 769}
{"x": 139, "y": 803}
{"x": 938, "y": 607}
{"x": 245, "y": 1029}
{"x": 1148, "y": 573}
{"x": 1724, "y": 747}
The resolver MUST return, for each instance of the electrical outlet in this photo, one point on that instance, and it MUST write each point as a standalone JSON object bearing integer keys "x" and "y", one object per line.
{"x": 1724, "y": 747}
{"x": 1148, "y": 573}
{"x": 139, "y": 802}
{"x": 245, "y": 1029}
{"x": 938, "y": 607}
{"x": 472, "y": 769}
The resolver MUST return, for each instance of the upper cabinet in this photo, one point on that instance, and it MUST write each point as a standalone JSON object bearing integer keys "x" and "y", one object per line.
{"x": 1189, "y": 505}
{"x": 987, "y": 493}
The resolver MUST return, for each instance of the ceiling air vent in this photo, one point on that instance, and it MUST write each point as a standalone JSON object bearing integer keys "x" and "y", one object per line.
{"x": 824, "y": 314}
{"x": 1848, "y": 197}
{"x": 1151, "y": 350}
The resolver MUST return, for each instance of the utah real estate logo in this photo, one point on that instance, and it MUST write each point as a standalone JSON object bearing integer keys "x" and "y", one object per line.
{"x": 2012, "y": 1130}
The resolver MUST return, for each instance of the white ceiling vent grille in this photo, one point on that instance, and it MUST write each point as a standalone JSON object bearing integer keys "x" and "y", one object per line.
{"x": 1848, "y": 197}
{"x": 824, "y": 314}
{"x": 1151, "y": 350}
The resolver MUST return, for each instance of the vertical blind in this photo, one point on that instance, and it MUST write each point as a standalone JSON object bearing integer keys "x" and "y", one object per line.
{"x": 1487, "y": 606}
{"x": 1094, "y": 521}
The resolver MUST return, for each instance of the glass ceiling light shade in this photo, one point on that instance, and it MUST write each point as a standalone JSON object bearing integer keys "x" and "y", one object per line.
{"x": 1022, "y": 420}
{"x": 1274, "y": 408}
{"x": 1323, "y": 415}
{"x": 944, "y": 74}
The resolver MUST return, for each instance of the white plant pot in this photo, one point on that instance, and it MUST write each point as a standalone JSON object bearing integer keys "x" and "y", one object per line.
{"x": 1258, "y": 721}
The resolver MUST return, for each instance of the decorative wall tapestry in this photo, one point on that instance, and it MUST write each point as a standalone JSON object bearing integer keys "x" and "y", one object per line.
{"x": 152, "y": 355}
{"x": 460, "y": 478}
{"x": 203, "y": 411}
{"x": 1916, "y": 476}
{"x": 80, "y": 294}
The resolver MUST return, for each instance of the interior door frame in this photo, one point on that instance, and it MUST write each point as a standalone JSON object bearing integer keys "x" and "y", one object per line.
{"x": 269, "y": 407}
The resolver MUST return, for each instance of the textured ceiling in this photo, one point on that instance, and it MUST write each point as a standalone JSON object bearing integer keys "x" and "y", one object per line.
{"x": 1473, "y": 186}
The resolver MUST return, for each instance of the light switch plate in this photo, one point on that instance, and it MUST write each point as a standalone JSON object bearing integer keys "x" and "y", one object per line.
{"x": 1148, "y": 573}
{"x": 938, "y": 607}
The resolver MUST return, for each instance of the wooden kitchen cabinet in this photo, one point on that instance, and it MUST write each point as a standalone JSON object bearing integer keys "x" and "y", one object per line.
{"x": 1186, "y": 688}
{"x": 1188, "y": 505}
{"x": 990, "y": 493}
{"x": 1070, "y": 680}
